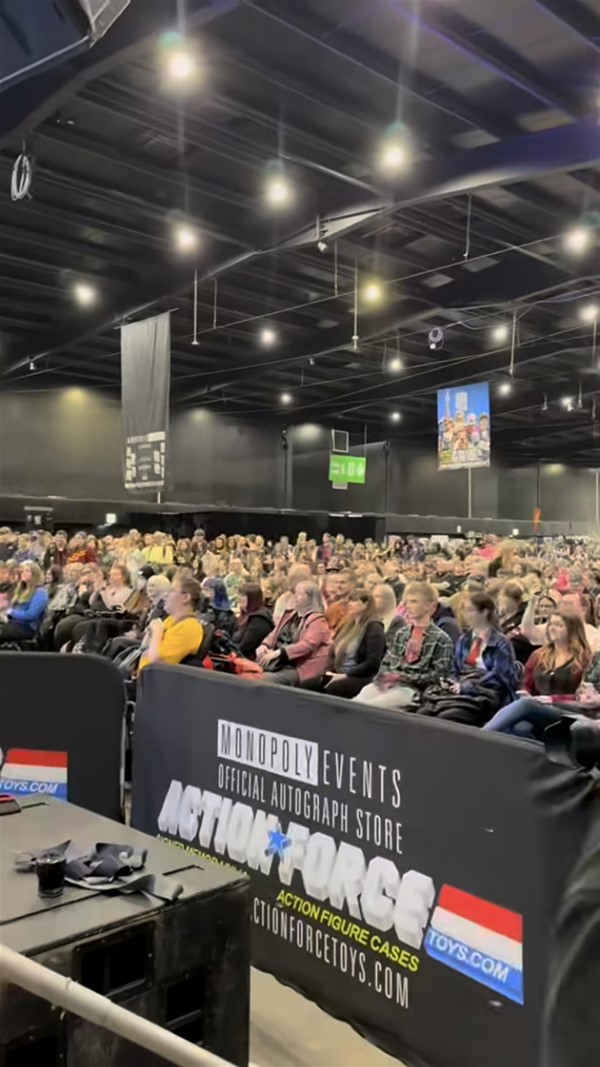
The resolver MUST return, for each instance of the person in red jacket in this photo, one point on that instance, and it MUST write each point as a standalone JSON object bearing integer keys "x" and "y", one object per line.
{"x": 296, "y": 649}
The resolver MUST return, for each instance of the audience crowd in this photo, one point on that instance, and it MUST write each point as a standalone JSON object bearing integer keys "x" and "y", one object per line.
{"x": 503, "y": 635}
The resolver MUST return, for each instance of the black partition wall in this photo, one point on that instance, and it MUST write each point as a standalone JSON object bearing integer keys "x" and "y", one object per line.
{"x": 66, "y": 444}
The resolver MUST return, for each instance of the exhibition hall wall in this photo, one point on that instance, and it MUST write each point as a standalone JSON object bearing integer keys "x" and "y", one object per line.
{"x": 67, "y": 443}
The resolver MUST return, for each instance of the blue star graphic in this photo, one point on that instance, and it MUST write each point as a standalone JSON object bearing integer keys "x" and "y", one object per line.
{"x": 278, "y": 843}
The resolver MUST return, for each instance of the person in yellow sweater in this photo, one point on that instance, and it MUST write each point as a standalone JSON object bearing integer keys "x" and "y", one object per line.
{"x": 181, "y": 633}
{"x": 159, "y": 552}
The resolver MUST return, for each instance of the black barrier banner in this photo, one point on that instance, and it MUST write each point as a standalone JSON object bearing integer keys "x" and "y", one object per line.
{"x": 61, "y": 729}
{"x": 406, "y": 872}
{"x": 145, "y": 387}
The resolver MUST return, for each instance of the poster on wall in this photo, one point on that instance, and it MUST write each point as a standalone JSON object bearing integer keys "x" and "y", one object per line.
{"x": 463, "y": 415}
{"x": 145, "y": 387}
{"x": 377, "y": 890}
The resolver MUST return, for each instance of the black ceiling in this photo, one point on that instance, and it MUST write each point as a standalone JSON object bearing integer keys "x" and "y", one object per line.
{"x": 500, "y": 102}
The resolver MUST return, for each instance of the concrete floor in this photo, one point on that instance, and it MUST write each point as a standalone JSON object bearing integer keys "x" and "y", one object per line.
{"x": 288, "y": 1031}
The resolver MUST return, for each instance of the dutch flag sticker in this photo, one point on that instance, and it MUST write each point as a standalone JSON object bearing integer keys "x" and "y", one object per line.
{"x": 481, "y": 940}
{"x": 28, "y": 772}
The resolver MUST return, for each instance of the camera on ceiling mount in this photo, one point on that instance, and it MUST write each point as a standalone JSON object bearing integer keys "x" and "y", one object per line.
{"x": 436, "y": 338}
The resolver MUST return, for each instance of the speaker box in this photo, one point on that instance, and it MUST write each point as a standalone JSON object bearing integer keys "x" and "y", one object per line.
{"x": 182, "y": 964}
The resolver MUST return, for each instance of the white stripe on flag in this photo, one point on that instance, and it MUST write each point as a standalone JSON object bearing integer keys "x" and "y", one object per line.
{"x": 479, "y": 937}
{"x": 26, "y": 772}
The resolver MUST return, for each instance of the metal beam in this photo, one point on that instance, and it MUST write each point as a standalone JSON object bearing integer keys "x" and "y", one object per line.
{"x": 529, "y": 155}
{"x": 378, "y": 64}
{"x": 514, "y": 277}
{"x": 480, "y": 47}
{"x": 28, "y": 103}
{"x": 442, "y": 374}
{"x": 164, "y": 283}
{"x": 575, "y": 17}
{"x": 517, "y": 159}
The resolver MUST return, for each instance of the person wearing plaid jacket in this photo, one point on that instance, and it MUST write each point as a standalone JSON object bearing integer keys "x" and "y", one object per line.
{"x": 417, "y": 655}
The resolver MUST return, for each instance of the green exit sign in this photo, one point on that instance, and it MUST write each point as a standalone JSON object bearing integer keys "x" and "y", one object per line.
{"x": 351, "y": 469}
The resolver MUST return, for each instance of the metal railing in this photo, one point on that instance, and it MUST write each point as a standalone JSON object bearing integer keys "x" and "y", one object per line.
{"x": 78, "y": 1000}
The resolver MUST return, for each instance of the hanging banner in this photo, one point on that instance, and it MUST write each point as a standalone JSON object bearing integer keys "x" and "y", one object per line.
{"x": 393, "y": 881}
{"x": 145, "y": 385}
{"x": 464, "y": 427}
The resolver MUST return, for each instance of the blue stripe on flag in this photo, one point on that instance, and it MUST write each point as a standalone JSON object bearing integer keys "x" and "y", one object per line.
{"x": 487, "y": 970}
{"x": 18, "y": 787}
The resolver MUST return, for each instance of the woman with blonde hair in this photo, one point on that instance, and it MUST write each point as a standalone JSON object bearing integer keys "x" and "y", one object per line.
{"x": 29, "y": 603}
{"x": 385, "y": 601}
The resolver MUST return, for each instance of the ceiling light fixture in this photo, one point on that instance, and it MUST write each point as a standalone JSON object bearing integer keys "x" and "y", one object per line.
{"x": 373, "y": 292}
{"x": 186, "y": 238}
{"x": 394, "y": 149}
{"x": 286, "y": 398}
{"x": 278, "y": 191}
{"x": 395, "y": 364}
{"x": 395, "y": 416}
{"x": 567, "y": 402}
{"x": 500, "y": 333}
{"x": 85, "y": 294}
{"x": 321, "y": 245}
{"x": 505, "y": 388}
{"x": 180, "y": 65}
{"x": 268, "y": 336}
{"x": 393, "y": 157}
{"x": 589, "y": 312}
{"x": 577, "y": 239}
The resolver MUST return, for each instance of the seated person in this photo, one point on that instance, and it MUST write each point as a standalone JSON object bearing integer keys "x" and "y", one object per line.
{"x": 357, "y": 649}
{"x": 102, "y": 629}
{"x": 536, "y": 715}
{"x": 6, "y": 595}
{"x": 159, "y": 551}
{"x": 215, "y": 608}
{"x": 61, "y": 603}
{"x": 157, "y": 587}
{"x": 417, "y": 655}
{"x": 300, "y": 572}
{"x": 79, "y": 551}
{"x": 53, "y": 580}
{"x": 553, "y": 675}
{"x": 338, "y": 589}
{"x": 443, "y": 617}
{"x": 9, "y": 576}
{"x": 57, "y": 551}
{"x": 181, "y": 633}
{"x": 234, "y": 581}
{"x": 385, "y": 602}
{"x": 485, "y": 672}
{"x": 570, "y": 604}
{"x": 86, "y": 579}
{"x": 254, "y": 623}
{"x": 29, "y": 602}
{"x": 104, "y": 597}
{"x": 511, "y": 607}
{"x": 296, "y": 649}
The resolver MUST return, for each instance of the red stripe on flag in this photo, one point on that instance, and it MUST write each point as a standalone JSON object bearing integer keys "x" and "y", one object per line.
{"x": 31, "y": 757}
{"x": 493, "y": 917}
